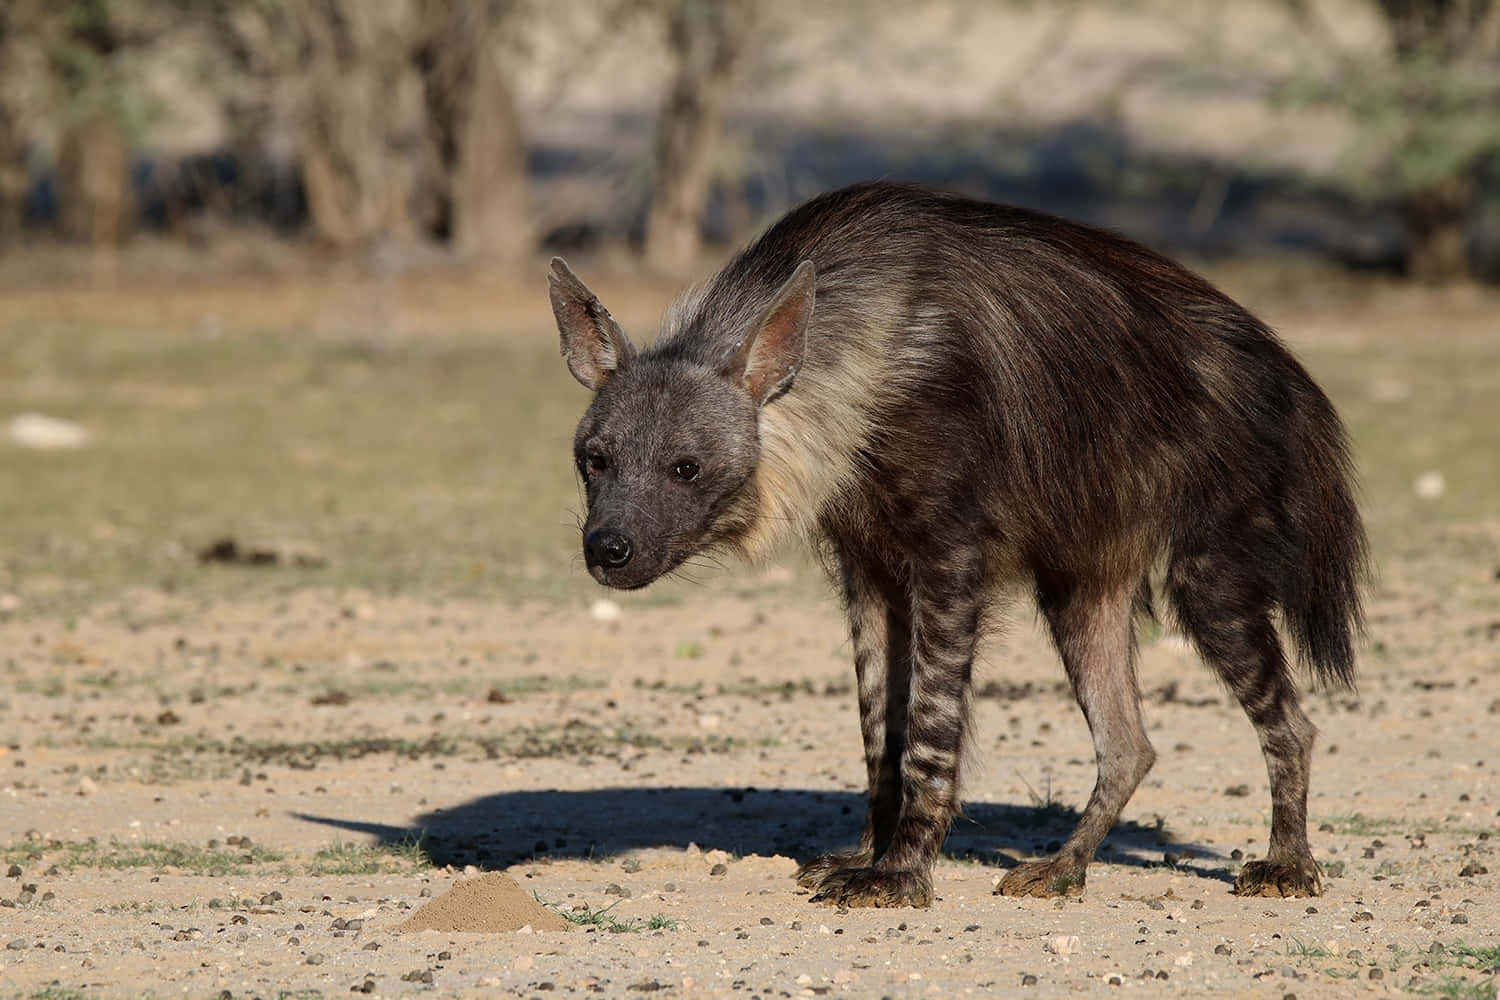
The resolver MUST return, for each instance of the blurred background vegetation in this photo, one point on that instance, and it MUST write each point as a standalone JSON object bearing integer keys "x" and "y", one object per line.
{"x": 414, "y": 132}
{"x": 271, "y": 271}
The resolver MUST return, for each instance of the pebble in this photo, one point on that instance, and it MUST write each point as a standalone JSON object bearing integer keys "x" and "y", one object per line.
{"x": 1064, "y": 944}
{"x": 719, "y": 869}
{"x": 14, "y": 871}
{"x": 316, "y": 958}
{"x": 16, "y": 944}
{"x": 604, "y": 610}
{"x": 1028, "y": 980}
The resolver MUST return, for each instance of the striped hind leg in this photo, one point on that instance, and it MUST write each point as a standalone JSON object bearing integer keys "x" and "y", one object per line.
{"x": 1227, "y": 611}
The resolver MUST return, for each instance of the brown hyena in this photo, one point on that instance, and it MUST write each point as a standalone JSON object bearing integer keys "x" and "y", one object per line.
{"x": 950, "y": 397}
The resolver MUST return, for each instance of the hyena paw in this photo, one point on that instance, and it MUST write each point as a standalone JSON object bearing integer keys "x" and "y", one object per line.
{"x": 1274, "y": 878}
{"x": 857, "y": 887}
{"x": 1053, "y": 877}
{"x": 812, "y": 874}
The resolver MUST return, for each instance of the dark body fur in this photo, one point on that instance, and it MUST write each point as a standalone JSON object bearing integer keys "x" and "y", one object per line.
{"x": 987, "y": 396}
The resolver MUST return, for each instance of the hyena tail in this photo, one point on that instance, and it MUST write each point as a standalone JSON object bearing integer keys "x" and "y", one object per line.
{"x": 1320, "y": 597}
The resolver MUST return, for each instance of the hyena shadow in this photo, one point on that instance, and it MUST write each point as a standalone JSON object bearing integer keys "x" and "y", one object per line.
{"x": 496, "y": 831}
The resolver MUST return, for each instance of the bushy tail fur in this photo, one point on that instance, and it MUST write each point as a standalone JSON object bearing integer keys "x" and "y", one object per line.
{"x": 1321, "y": 600}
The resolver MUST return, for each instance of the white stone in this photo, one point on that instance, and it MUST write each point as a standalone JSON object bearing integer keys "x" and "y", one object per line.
{"x": 44, "y": 433}
{"x": 1430, "y": 485}
{"x": 1064, "y": 944}
{"x": 604, "y": 610}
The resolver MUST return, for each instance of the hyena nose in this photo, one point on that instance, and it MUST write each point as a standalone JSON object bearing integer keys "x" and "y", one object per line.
{"x": 608, "y": 548}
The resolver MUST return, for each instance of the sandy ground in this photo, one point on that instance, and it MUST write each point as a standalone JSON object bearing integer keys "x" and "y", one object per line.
{"x": 251, "y": 789}
{"x": 659, "y": 774}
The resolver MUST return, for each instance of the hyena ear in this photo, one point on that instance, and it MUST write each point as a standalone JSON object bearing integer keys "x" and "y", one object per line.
{"x": 772, "y": 351}
{"x": 592, "y": 342}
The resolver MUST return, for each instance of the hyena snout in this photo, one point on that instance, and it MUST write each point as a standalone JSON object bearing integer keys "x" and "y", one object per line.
{"x": 606, "y": 548}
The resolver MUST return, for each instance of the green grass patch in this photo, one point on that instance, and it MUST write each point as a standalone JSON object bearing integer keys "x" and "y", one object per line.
{"x": 1360, "y": 825}
{"x": 340, "y": 858}
{"x": 56, "y": 992}
{"x": 1473, "y": 957}
{"x": 436, "y": 466}
{"x": 1298, "y": 949}
{"x": 1457, "y": 988}
{"x": 158, "y": 856}
{"x": 601, "y": 917}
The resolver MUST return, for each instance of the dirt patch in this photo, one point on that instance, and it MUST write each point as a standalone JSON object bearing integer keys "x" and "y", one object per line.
{"x": 491, "y": 904}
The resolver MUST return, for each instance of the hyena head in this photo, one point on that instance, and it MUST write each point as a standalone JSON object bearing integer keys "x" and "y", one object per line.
{"x": 668, "y": 448}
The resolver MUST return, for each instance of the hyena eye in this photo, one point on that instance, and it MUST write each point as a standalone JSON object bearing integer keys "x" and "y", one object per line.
{"x": 593, "y": 464}
{"x": 686, "y": 471}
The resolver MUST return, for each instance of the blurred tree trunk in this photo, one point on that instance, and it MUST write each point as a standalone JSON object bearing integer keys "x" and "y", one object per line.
{"x": 12, "y": 173}
{"x": 1437, "y": 223}
{"x": 1425, "y": 33}
{"x": 12, "y": 145}
{"x": 93, "y": 173}
{"x": 1437, "y": 27}
{"x": 708, "y": 40}
{"x": 475, "y": 130}
{"x": 357, "y": 184}
{"x": 95, "y": 201}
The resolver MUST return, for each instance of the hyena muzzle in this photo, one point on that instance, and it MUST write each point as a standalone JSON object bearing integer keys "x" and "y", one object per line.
{"x": 950, "y": 398}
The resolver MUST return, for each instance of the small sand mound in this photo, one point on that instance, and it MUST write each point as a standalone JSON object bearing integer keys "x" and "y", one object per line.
{"x": 489, "y": 904}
